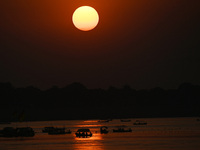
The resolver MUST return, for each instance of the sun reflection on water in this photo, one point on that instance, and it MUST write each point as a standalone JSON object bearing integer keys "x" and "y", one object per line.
{"x": 90, "y": 143}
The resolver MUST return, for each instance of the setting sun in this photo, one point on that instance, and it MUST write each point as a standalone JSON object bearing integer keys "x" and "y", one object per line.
{"x": 85, "y": 18}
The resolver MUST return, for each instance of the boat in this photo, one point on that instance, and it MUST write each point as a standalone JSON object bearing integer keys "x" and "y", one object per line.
{"x": 125, "y": 120}
{"x": 47, "y": 129}
{"x": 138, "y": 122}
{"x": 8, "y": 132}
{"x": 84, "y": 133}
{"x": 25, "y": 132}
{"x": 121, "y": 129}
{"x": 103, "y": 130}
{"x": 17, "y": 132}
{"x": 57, "y": 131}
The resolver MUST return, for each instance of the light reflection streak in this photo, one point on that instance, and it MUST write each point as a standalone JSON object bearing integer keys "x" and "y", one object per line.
{"x": 90, "y": 143}
{"x": 88, "y": 126}
{"x": 89, "y": 121}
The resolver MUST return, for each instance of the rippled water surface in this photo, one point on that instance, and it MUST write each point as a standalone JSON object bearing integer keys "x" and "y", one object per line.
{"x": 158, "y": 134}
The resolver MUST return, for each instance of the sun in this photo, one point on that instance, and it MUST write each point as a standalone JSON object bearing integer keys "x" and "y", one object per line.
{"x": 85, "y": 18}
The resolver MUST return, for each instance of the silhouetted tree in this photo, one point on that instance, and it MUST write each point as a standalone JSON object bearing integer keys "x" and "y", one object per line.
{"x": 75, "y": 101}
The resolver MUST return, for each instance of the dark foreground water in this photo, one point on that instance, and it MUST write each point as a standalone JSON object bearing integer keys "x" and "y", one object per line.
{"x": 158, "y": 134}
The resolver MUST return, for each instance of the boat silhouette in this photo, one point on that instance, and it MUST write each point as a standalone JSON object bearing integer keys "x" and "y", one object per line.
{"x": 103, "y": 130}
{"x": 84, "y": 133}
{"x": 138, "y": 122}
{"x": 56, "y": 131}
{"x": 47, "y": 129}
{"x": 17, "y": 132}
{"x": 125, "y": 120}
{"x": 122, "y": 129}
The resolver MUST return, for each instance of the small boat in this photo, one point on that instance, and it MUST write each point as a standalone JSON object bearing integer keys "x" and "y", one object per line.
{"x": 25, "y": 132}
{"x": 57, "y": 131}
{"x": 103, "y": 130}
{"x": 84, "y": 133}
{"x": 47, "y": 129}
{"x": 138, "y": 122}
{"x": 8, "y": 132}
{"x": 125, "y": 120}
{"x": 17, "y": 132}
{"x": 122, "y": 130}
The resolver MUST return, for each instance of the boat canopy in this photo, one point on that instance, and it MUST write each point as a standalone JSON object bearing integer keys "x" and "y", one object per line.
{"x": 83, "y": 130}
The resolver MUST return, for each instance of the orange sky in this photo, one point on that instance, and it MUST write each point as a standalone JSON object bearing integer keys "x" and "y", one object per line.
{"x": 40, "y": 45}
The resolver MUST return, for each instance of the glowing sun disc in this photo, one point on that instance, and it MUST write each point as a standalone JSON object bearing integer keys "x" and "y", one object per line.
{"x": 85, "y": 18}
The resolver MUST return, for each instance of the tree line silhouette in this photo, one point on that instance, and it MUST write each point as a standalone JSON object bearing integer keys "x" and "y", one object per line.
{"x": 75, "y": 101}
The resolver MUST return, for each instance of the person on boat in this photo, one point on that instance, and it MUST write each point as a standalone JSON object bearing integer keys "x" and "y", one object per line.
{"x": 83, "y": 134}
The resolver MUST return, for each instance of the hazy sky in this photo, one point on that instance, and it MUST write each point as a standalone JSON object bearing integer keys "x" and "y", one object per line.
{"x": 142, "y": 43}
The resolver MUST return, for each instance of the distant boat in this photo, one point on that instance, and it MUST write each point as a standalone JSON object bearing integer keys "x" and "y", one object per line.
{"x": 138, "y": 122}
{"x": 57, "y": 131}
{"x": 8, "y": 132}
{"x": 103, "y": 130}
{"x": 125, "y": 120}
{"x": 84, "y": 133}
{"x": 25, "y": 132}
{"x": 47, "y": 129}
{"x": 17, "y": 132}
{"x": 122, "y": 129}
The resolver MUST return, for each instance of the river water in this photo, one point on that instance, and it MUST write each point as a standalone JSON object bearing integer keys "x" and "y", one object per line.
{"x": 158, "y": 134}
